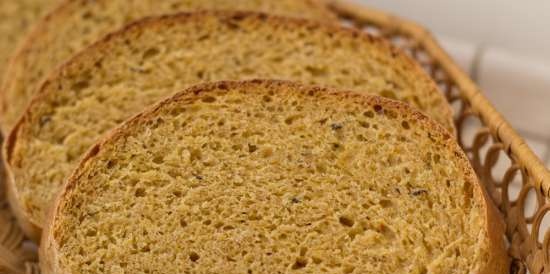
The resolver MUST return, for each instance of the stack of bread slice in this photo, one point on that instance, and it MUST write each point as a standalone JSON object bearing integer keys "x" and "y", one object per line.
{"x": 308, "y": 169}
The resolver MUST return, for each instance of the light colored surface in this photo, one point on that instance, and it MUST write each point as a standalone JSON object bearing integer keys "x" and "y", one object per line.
{"x": 464, "y": 53}
{"x": 520, "y": 26}
{"x": 519, "y": 87}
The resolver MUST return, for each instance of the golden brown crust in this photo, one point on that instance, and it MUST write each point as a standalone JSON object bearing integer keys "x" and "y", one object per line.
{"x": 497, "y": 263}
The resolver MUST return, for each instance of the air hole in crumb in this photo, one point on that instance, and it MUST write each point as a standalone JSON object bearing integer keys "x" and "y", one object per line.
{"x": 346, "y": 221}
{"x": 91, "y": 233}
{"x": 364, "y": 124}
{"x": 348, "y": 269}
{"x": 378, "y": 109}
{"x": 405, "y": 125}
{"x": 140, "y": 192}
{"x": 316, "y": 71}
{"x": 369, "y": 114}
{"x": 299, "y": 263}
{"x": 183, "y": 223}
{"x": 111, "y": 164}
{"x": 193, "y": 256}
{"x": 423, "y": 270}
{"x": 209, "y": 99}
{"x": 150, "y": 53}
{"x": 195, "y": 155}
{"x": 290, "y": 120}
{"x": 237, "y": 147}
{"x": 267, "y": 99}
{"x": 336, "y": 146}
{"x": 252, "y": 148}
{"x": 207, "y": 222}
{"x": 391, "y": 114}
{"x": 158, "y": 159}
{"x": 386, "y": 203}
{"x": 177, "y": 111}
{"x": 317, "y": 260}
{"x": 79, "y": 86}
{"x": 437, "y": 158}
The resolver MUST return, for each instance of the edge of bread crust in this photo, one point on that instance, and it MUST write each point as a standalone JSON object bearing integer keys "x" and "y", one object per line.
{"x": 497, "y": 262}
{"x": 28, "y": 226}
{"x": 40, "y": 28}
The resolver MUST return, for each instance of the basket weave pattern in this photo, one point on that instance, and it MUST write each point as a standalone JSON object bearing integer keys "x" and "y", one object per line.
{"x": 483, "y": 134}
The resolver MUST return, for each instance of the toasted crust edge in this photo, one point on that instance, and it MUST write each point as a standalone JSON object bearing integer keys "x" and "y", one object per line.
{"x": 498, "y": 261}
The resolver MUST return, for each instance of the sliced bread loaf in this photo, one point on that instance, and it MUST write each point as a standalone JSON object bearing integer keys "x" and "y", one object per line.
{"x": 78, "y": 23}
{"x": 274, "y": 177}
{"x": 117, "y": 77}
{"x": 16, "y": 17}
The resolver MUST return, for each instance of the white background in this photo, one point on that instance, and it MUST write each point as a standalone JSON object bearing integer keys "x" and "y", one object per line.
{"x": 519, "y": 26}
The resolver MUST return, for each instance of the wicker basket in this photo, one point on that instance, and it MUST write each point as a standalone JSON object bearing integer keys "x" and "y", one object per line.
{"x": 483, "y": 133}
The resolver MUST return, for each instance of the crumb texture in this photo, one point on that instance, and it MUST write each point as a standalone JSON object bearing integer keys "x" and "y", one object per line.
{"x": 81, "y": 22}
{"x": 118, "y": 78}
{"x": 273, "y": 178}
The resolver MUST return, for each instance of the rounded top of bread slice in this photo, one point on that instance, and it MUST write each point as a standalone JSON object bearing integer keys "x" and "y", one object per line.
{"x": 76, "y": 24}
{"x": 114, "y": 79}
{"x": 274, "y": 177}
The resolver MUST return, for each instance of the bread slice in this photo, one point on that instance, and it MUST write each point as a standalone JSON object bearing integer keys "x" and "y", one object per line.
{"x": 117, "y": 77}
{"x": 274, "y": 177}
{"x": 78, "y": 23}
{"x": 16, "y": 17}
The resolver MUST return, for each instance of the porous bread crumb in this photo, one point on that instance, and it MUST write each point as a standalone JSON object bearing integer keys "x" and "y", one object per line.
{"x": 109, "y": 82}
{"x": 79, "y": 23}
{"x": 271, "y": 177}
